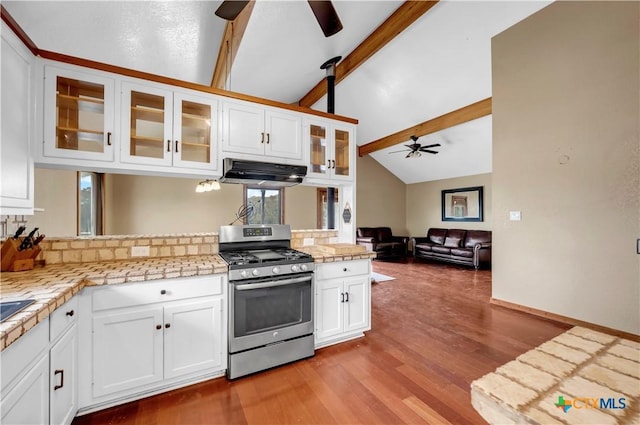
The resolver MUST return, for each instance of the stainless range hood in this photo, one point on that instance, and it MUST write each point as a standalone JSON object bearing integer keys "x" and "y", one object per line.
{"x": 262, "y": 173}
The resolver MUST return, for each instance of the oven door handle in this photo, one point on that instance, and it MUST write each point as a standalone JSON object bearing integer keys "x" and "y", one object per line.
{"x": 272, "y": 284}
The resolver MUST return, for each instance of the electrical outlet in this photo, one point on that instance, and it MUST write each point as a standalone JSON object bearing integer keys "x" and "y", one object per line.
{"x": 307, "y": 241}
{"x": 140, "y": 251}
{"x": 514, "y": 215}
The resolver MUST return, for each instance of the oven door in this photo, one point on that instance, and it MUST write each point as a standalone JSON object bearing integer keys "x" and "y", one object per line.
{"x": 269, "y": 310}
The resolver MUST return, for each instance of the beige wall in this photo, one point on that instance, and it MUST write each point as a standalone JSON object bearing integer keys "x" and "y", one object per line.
{"x": 566, "y": 154}
{"x": 300, "y": 207}
{"x": 424, "y": 206}
{"x": 56, "y": 192}
{"x": 380, "y": 198}
{"x": 154, "y": 205}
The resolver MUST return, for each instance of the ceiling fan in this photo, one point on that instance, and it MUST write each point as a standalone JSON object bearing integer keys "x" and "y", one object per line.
{"x": 324, "y": 12}
{"x": 415, "y": 148}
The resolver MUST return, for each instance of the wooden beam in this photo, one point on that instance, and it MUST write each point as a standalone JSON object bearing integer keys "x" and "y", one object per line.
{"x": 404, "y": 16}
{"x": 453, "y": 118}
{"x": 233, "y": 33}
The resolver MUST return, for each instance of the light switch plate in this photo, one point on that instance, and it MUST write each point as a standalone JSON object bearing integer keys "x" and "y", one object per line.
{"x": 140, "y": 251}
{"x": 514, "y": 215}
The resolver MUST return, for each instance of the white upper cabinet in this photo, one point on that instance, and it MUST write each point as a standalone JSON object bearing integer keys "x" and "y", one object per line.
{"x": 331, "y": 149}
{"x": 167, "y": 128}
{"x": 16, "y": 168}
{"x": 260, "y": 132}
{"x": 79, "y": 113}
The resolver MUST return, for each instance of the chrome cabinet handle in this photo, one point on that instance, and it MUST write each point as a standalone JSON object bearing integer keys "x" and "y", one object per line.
{"x": 61, "y": 373}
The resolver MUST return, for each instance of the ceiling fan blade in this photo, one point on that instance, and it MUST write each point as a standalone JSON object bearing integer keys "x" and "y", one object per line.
{"x": 426, "y": 150}
{"x": 403, "y": 150}
{"x": 230, "y": 9}
{"x": 435, "y": 145}
{"x": 408, "y": 155}
{"x": 326, "y": 16}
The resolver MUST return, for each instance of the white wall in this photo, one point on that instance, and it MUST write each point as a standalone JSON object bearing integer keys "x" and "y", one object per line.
{"x": 566, "y": 153}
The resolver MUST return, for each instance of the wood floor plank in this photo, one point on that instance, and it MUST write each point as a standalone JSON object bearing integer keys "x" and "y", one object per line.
{"x": 433, "y": 333}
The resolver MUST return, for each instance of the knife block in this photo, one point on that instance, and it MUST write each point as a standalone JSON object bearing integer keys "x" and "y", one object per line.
{"x": 17, "y": 261}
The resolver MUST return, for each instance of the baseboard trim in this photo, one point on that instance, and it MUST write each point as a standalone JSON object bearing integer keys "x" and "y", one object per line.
{"x": 565, "y": 319}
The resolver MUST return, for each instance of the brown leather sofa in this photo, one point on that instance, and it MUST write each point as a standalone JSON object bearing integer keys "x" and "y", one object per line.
{"x": 465, "y": 247}
{"x": 381, "y": 241}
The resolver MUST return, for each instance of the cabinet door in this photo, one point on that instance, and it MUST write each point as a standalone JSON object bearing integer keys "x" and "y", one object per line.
{"x": 317, "y": 142}
{"x": 329, "y": 308}
{"x": 283, "y": 135}
{"x": 194, "y": 132}
{"x": 146, "y": 125}
{"x": 63, "y": 378}
{"x": 356, "y": 315}
{"x": 79, "y": 114}
{"x": 16, "y": 165}
{"x": 342, "y": 156}
{"x": 243, "y": 129}
{"x": 127, "y": 350}
{"x": 28, "y": 402}
{"x": 193, "y": 337}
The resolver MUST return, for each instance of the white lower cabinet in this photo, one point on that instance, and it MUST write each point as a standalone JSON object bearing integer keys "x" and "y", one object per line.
{"x": 343, "y": 301}
{"x": 63, "y": 386}
{"x": 151, "y": 336}
{"x": 28, "y": 402}
{"x": 127, "y": 350}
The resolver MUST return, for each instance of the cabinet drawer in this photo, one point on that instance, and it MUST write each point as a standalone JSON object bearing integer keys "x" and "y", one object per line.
{"x": 127, "y": 295}
{"x": 62, "y": 318}
{"x": 15, "y": 359}
{"x": 342, "y": 269}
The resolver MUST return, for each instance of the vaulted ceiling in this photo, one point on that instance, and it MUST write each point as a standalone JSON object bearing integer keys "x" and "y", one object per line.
{"x": 440, "y": 63}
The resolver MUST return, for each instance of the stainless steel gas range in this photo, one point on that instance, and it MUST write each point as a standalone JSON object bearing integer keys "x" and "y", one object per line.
{"x": 271, "y": 298}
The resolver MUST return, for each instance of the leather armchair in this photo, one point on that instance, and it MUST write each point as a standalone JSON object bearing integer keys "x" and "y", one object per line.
{"x": 381, "y": 241}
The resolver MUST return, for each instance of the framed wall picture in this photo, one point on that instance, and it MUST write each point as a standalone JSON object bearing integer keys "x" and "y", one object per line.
{"x": 464, "y": 204}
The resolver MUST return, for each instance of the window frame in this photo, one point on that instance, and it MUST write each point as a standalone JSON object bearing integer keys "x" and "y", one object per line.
{"x": 281, "y": 195}
{"x": 97, "y": 203}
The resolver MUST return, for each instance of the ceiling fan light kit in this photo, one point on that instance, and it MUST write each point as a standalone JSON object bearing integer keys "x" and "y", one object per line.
{"x": 416, "y": 149}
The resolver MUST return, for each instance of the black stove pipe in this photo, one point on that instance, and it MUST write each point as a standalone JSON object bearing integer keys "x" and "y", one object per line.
{"x": 330, "y": 67}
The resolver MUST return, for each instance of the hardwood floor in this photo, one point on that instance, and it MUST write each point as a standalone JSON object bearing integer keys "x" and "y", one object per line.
{"x": 433, "y": 333}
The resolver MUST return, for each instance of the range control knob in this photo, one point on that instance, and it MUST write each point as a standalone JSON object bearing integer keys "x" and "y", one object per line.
{"x": 303, "y": 267}
{"x": 255, "y": 272}
{"x": 295, "y": 268}
{"x": 244, "y": 273}
{"x": 276, "y": 270}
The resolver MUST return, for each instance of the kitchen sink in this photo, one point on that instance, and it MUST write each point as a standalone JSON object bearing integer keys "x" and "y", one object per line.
{"x": 9, "y": 308}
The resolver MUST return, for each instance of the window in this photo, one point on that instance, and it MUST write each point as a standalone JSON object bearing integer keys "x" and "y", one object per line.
{"x": 322, "y": 198}
{"x": 268, "y": 205}
{"x": 89, "y": 204}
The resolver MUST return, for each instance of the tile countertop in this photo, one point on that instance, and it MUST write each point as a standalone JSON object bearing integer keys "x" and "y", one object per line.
{"x": 53, "y": 285}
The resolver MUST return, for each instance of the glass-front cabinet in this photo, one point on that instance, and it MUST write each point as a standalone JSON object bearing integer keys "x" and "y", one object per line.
{"x": 79, "y": 115}
{"x": 162, "y": 127}
{"x": 330, "y": 150}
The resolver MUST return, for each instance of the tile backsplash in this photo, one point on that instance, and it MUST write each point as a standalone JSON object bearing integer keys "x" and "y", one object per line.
{"x": 106, "y": 248}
